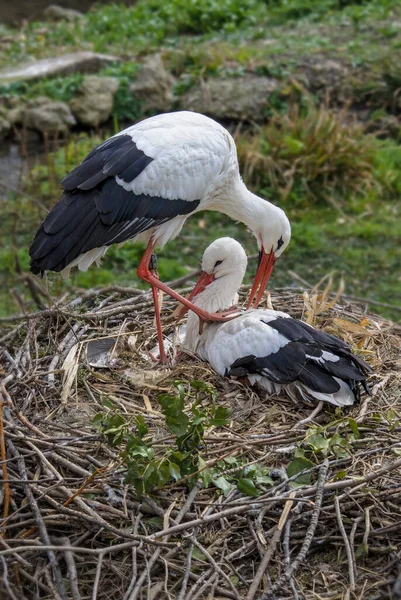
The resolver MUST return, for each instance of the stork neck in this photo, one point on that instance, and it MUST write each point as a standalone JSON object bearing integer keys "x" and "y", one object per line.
{"x": 218, "y": 296}
{"x": 242, "y": 205}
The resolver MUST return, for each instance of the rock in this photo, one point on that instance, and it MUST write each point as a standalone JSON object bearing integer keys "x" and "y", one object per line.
{"x": 153, "y": 85}
{"x": 324, "y": 75}
{"x": 93, "y": 102}
{"x": 76, "y": 62}
{"x": 232, "y": 98}
{"x": 5, "y": 125}
{"x": 59, "y": 13}
{"x": 44, "y": 115}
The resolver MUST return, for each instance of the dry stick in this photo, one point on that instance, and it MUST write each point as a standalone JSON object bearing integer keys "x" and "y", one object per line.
{"x": 351, "y": 564}
{"x": 97, "y": 577}
{"x": 71, "y": 568}
{"x": 206, "y": 575}
{"x": 134, "y": 558}
{"x": 4, "y": 577}
{"x": 208, "y": 583}
{"x": 3, "y": 455}
{"x": 185, "y": 508}
{"x": 40, "y": 523}
{"x": 309, "y": 533}
{"x": 270, "y": 549}
{"x": 186, "y": 574}
{"x": 313, "y": 414}
{"x": 287, "y": 559}
{"x": 216, "y": 567}
{"x": 19, "y": 558}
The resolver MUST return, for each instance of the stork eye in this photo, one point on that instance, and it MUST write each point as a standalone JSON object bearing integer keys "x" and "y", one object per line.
{"x": 217, "y": 263}
{"x": 280, "y": 243}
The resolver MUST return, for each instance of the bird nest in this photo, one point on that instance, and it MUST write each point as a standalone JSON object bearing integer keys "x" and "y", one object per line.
{"x": 322, "y": 521}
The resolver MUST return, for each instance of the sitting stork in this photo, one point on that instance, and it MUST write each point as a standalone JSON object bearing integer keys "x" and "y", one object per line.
{"x": 267, "y": 347}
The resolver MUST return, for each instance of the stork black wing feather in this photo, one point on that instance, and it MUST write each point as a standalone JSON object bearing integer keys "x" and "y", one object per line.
{"x": 303, "y": 359}
{"x": 97, "y": 211}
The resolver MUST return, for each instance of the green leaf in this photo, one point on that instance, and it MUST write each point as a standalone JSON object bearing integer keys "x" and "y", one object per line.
{"x": 230, "y": 460}
{"x": 340, "y": 475}
{"x": 174, "y": 471}
{"x": 318, "y": 442}
{"x": 181, "y": 391}
{"x": 354, "y": 428}
{"x": 163, "y": 472}
{"x": 360, "y": 551}
{"x": 220, "y": 417}
{"x": 178, "y": 424}
{"x": 98, "y": 417}
{"x": 107, "y": 403}
{"x": 156, "y": 522}
{"x": 246, "y": 486}
{"x": 222, "y": 484}
{"x": 293, "y": 146}
{"x": 298, "y": 465}
{"x": 264, "y": 479}
{"x": 141, "y": 426}
{"x": 197, "y": 554}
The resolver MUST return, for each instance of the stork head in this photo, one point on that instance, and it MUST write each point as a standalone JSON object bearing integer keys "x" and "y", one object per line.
{"x": 224, "y": 264}
{"x": 273, "y": 234}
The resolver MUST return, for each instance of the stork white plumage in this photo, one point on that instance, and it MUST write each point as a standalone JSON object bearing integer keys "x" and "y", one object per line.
{"x": 268, "y": 347}
{"x": 143, "y": 183}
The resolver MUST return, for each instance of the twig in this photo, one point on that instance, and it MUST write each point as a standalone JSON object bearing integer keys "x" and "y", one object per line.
{"x": 4, "y": 578}
{"x": 97, "y": 576}
{"x": 3, "y": 455}
{"x": 313, "y": 414}
{"x": 187, "y": 505}
{"x": 309, "y": 533}
{"x": 351, "y": 564}
{"x": 215, "y": 566}
{"x": 71, "y": 569}
{"x": 287, "y": 558}
{"x": 41, "y": 526}
{"x": 184, "y": 584}
{"x": 270, "y": 549}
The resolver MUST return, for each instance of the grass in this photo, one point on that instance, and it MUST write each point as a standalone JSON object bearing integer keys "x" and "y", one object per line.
{"x": 339, "y": 186}
{"x": 342, "y": 203}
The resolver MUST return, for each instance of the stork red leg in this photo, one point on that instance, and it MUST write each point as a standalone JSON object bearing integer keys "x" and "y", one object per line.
{"x": 145, "y": 274}
{"x": 143, "y": 270}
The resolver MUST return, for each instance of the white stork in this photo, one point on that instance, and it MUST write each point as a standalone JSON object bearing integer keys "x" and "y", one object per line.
{"x": 144, "y": 182}
{"x": 267, "y": 347}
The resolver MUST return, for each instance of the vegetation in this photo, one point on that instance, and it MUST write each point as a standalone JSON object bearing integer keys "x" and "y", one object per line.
{"x": 339, "y": 182}
{"x": 188, "y": 421}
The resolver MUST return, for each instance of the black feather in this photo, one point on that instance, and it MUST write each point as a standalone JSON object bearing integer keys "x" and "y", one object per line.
{"x": 96, "y": 211}
{"x": 302, "y": 360}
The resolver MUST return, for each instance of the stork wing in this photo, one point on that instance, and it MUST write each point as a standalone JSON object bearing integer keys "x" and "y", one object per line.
{"x": 284, "y": 350}
{"x": 139, "y": 179}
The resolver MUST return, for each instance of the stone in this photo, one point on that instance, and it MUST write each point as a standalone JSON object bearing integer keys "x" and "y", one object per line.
{"x": 93, "y": 102}
{"x": 153, "y": 85}
{"x": 323, "y": 75}
{"x": 59, "y": 13}
{"x": 75, "y": 62}
{"x": 238, "y": 98}
{"x": 45, "y": 115}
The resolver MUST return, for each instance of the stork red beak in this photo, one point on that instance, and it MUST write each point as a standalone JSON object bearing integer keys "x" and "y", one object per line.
{"x": 263, "y": 274}
{"x": 204, "y": 280}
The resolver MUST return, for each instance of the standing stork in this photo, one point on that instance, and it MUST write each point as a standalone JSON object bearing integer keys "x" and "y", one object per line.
{"x": 144, "y": 182}
{"x": 268, "y": 347}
